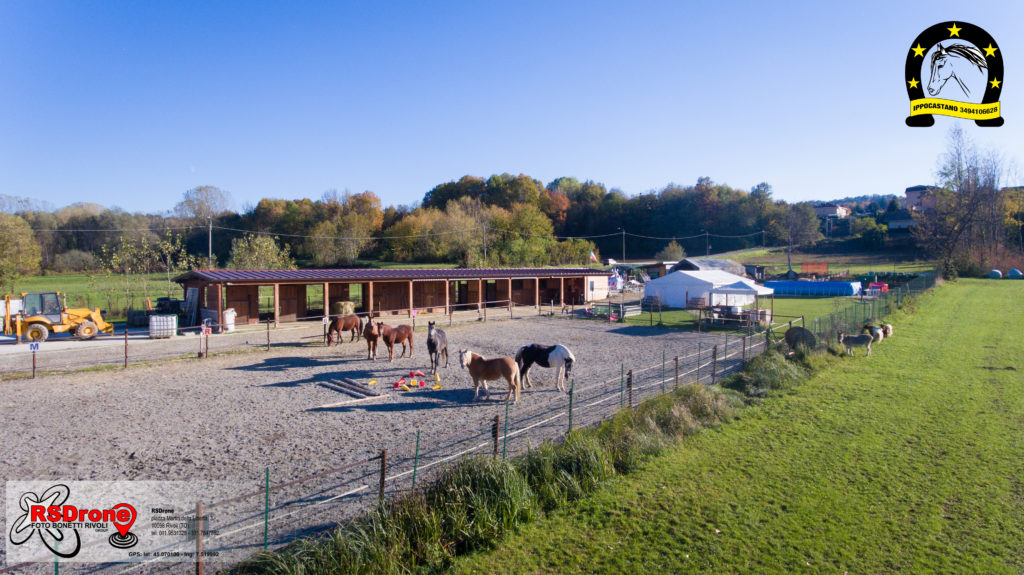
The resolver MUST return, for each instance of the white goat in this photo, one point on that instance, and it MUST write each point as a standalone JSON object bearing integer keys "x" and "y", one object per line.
{"x": 877, "y": 333}
{"x": 851, "y": 341}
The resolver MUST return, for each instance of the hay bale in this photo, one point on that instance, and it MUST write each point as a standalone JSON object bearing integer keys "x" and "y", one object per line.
{"x": 995, "y": 274}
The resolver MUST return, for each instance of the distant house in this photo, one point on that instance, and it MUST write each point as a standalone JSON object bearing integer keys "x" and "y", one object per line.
{"x": 920, "y": 198}
{"x": 707, "y": 264}
{"x": 831, "y": 211}
{"x": 899, "y": 220}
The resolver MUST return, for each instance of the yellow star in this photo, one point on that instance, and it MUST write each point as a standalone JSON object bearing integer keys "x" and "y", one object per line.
{"x": 913, "y": 83}
{"x": 991, "y": 50}
{"x": 995, "y": 82}
{"x": 918, "y": 50}
{"x": 954, "y": 31}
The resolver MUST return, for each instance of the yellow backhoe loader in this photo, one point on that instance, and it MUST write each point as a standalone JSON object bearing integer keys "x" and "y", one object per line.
{"x": 36, "y": 315}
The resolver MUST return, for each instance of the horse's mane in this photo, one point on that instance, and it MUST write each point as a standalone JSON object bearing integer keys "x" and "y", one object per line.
{"x": 969, "y": 53}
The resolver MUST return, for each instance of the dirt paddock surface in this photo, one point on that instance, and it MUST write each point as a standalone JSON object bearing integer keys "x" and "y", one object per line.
{"x": 232, "y": 416}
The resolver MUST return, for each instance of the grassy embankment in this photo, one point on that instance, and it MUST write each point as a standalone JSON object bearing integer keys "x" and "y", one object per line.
{"x": 909, "y": 461}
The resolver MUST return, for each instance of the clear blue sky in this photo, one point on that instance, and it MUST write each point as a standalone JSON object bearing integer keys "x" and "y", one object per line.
{"x": 131, "y": 103}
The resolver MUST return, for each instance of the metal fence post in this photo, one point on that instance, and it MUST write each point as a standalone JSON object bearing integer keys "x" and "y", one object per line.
{"x": 266, "y": 513}
{"x": 126, "y": 344}
{"x": 572, "y": 388}
{"x": 33, "y": 364}
{"x": 663, "y": 371}
{"x": 494, "y": 434}
{"x": 743, "y": 361}
{"x": 416, "y": 459}
{"x": 622, "y": 383}
{"x": 676, "y": 386}
{"x": 698, "y": 360}
{"x": 504, "y": 444}
{"x": 268, "y": 335}
{"x": 199, "y": 538}
{"x": 383, "y": 474}
{"x": 714, "y": 364}
{"x": 629, "y": 386}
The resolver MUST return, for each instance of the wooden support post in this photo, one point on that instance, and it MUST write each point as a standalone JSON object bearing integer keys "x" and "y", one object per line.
{"x": 368, "y": 303}
{"x": 479, "y": 294}
{"x": 561, "y": 292}
{"x": 536, "y": 293}
{"x": 447, "y": 298}
{"x": 220, "y": 308}
{"x": 327, "y": 300}
{"x": 410, "y": 299}
{"x": 277, "y": 304}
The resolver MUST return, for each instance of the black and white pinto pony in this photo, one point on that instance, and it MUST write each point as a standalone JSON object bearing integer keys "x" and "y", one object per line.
{"x": 557, "y": 356}
{"x": 437, "y": 344}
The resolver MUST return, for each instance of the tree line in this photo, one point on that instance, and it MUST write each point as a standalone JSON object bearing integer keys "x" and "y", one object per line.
{"x": 502, "y": 220}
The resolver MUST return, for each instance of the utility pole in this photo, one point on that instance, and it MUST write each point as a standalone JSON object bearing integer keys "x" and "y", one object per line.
{"x": 623, "y": 244}
{"x": 209, "y": 242}
{"x": 764, "y": 239}
{"x": 707, "y": 243}
{"x": 485, "y": 243}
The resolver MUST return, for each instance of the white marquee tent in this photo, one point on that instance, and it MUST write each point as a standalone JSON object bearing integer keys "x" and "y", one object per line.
{"x": 715, "y": 287}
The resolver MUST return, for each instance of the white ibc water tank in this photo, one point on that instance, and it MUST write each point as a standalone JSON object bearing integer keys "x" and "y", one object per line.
{"x": 229, "y": 319}
{"x": 163, "y": 326}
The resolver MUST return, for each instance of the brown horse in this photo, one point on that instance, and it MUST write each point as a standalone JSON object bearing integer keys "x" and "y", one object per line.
{"x": 343, "y": 323}
{"x": 483, "y": 370}
{"x": 393, "y": 336}
{"x": 371, "y": 334}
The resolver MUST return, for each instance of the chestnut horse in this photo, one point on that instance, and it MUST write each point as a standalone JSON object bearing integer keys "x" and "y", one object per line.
{"x": 371, "y": 334}
{"x": 343, "y": 323}
{"x": 483, "y": 370}
{"x": 395, "y": 335}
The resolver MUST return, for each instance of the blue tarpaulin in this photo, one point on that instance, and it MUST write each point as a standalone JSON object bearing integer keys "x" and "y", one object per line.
{"x": 814, "y": 288}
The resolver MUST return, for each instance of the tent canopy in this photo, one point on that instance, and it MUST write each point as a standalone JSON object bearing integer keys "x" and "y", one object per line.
{"x": 676, "y": 288}
{"x": 743, "y": 288}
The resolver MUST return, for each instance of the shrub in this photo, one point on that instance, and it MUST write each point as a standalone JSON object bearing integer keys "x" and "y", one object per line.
{"x": 74, "y": 261}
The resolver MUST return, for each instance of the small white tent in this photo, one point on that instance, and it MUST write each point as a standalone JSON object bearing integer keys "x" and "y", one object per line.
{"x": 676, "y": 288}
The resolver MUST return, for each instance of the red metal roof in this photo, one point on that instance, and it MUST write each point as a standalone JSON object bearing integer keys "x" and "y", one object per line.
{"x": 361, "y": 275}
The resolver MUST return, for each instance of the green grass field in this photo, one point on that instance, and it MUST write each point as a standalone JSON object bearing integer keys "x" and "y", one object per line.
{"x": 857, "y": 262}
{"x": 908, "y": 461}
{"x": 100, "y": 290}
{"x": 785, "y": 309}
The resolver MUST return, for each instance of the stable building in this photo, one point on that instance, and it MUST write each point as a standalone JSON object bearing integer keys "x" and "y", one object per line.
{"x": 286, "y": 295}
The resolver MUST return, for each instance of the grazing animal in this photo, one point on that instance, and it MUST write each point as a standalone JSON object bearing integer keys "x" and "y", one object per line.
{"x": 851, "y": 341}
{"x": 557, "y": 356}
{"x": 483, "y": 370}
{"x": 371, "y": 334}
{"x": 393, "y": 336}
{"x": 343, "y": 323}
{"x": 875, "y": 332}
{"x": 887, "y": 329}
{"x": 437, "y": 343}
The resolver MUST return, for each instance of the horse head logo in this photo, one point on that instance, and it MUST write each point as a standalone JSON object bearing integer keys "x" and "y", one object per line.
{"x": 954, "y": 61}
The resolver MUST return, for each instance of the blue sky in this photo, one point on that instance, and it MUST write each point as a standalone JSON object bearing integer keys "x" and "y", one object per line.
{"x": 129, "y": 104}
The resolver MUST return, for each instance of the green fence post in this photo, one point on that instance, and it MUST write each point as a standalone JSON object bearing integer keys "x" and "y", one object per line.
{"x": 416, "y": 459}
{"x": 504, "y": 444}
{"x": 622, "y": 384}
{"x": 266, "y": 511}
{"x": 663, "y": 371}
{"x": 698, "y": 360}
{"x": 572, "y": 388}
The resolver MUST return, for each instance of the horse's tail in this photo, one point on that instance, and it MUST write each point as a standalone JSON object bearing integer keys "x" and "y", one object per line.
{"x": 519, "y": 357}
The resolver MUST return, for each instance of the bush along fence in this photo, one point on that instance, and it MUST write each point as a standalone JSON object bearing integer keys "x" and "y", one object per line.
{"x": 127, "y": 346}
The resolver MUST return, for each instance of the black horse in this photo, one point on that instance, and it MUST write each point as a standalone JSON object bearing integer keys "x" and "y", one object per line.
{"x": 437, "y": 343}
{"x": 557, "y": 356}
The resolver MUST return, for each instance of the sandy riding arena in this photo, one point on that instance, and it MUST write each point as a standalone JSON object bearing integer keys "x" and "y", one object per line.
{"x": 236, "y": 415}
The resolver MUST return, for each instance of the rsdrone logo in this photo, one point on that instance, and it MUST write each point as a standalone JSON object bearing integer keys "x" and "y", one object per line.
{"x": 57, "y": 524}
{"x": 964, "y": 65}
